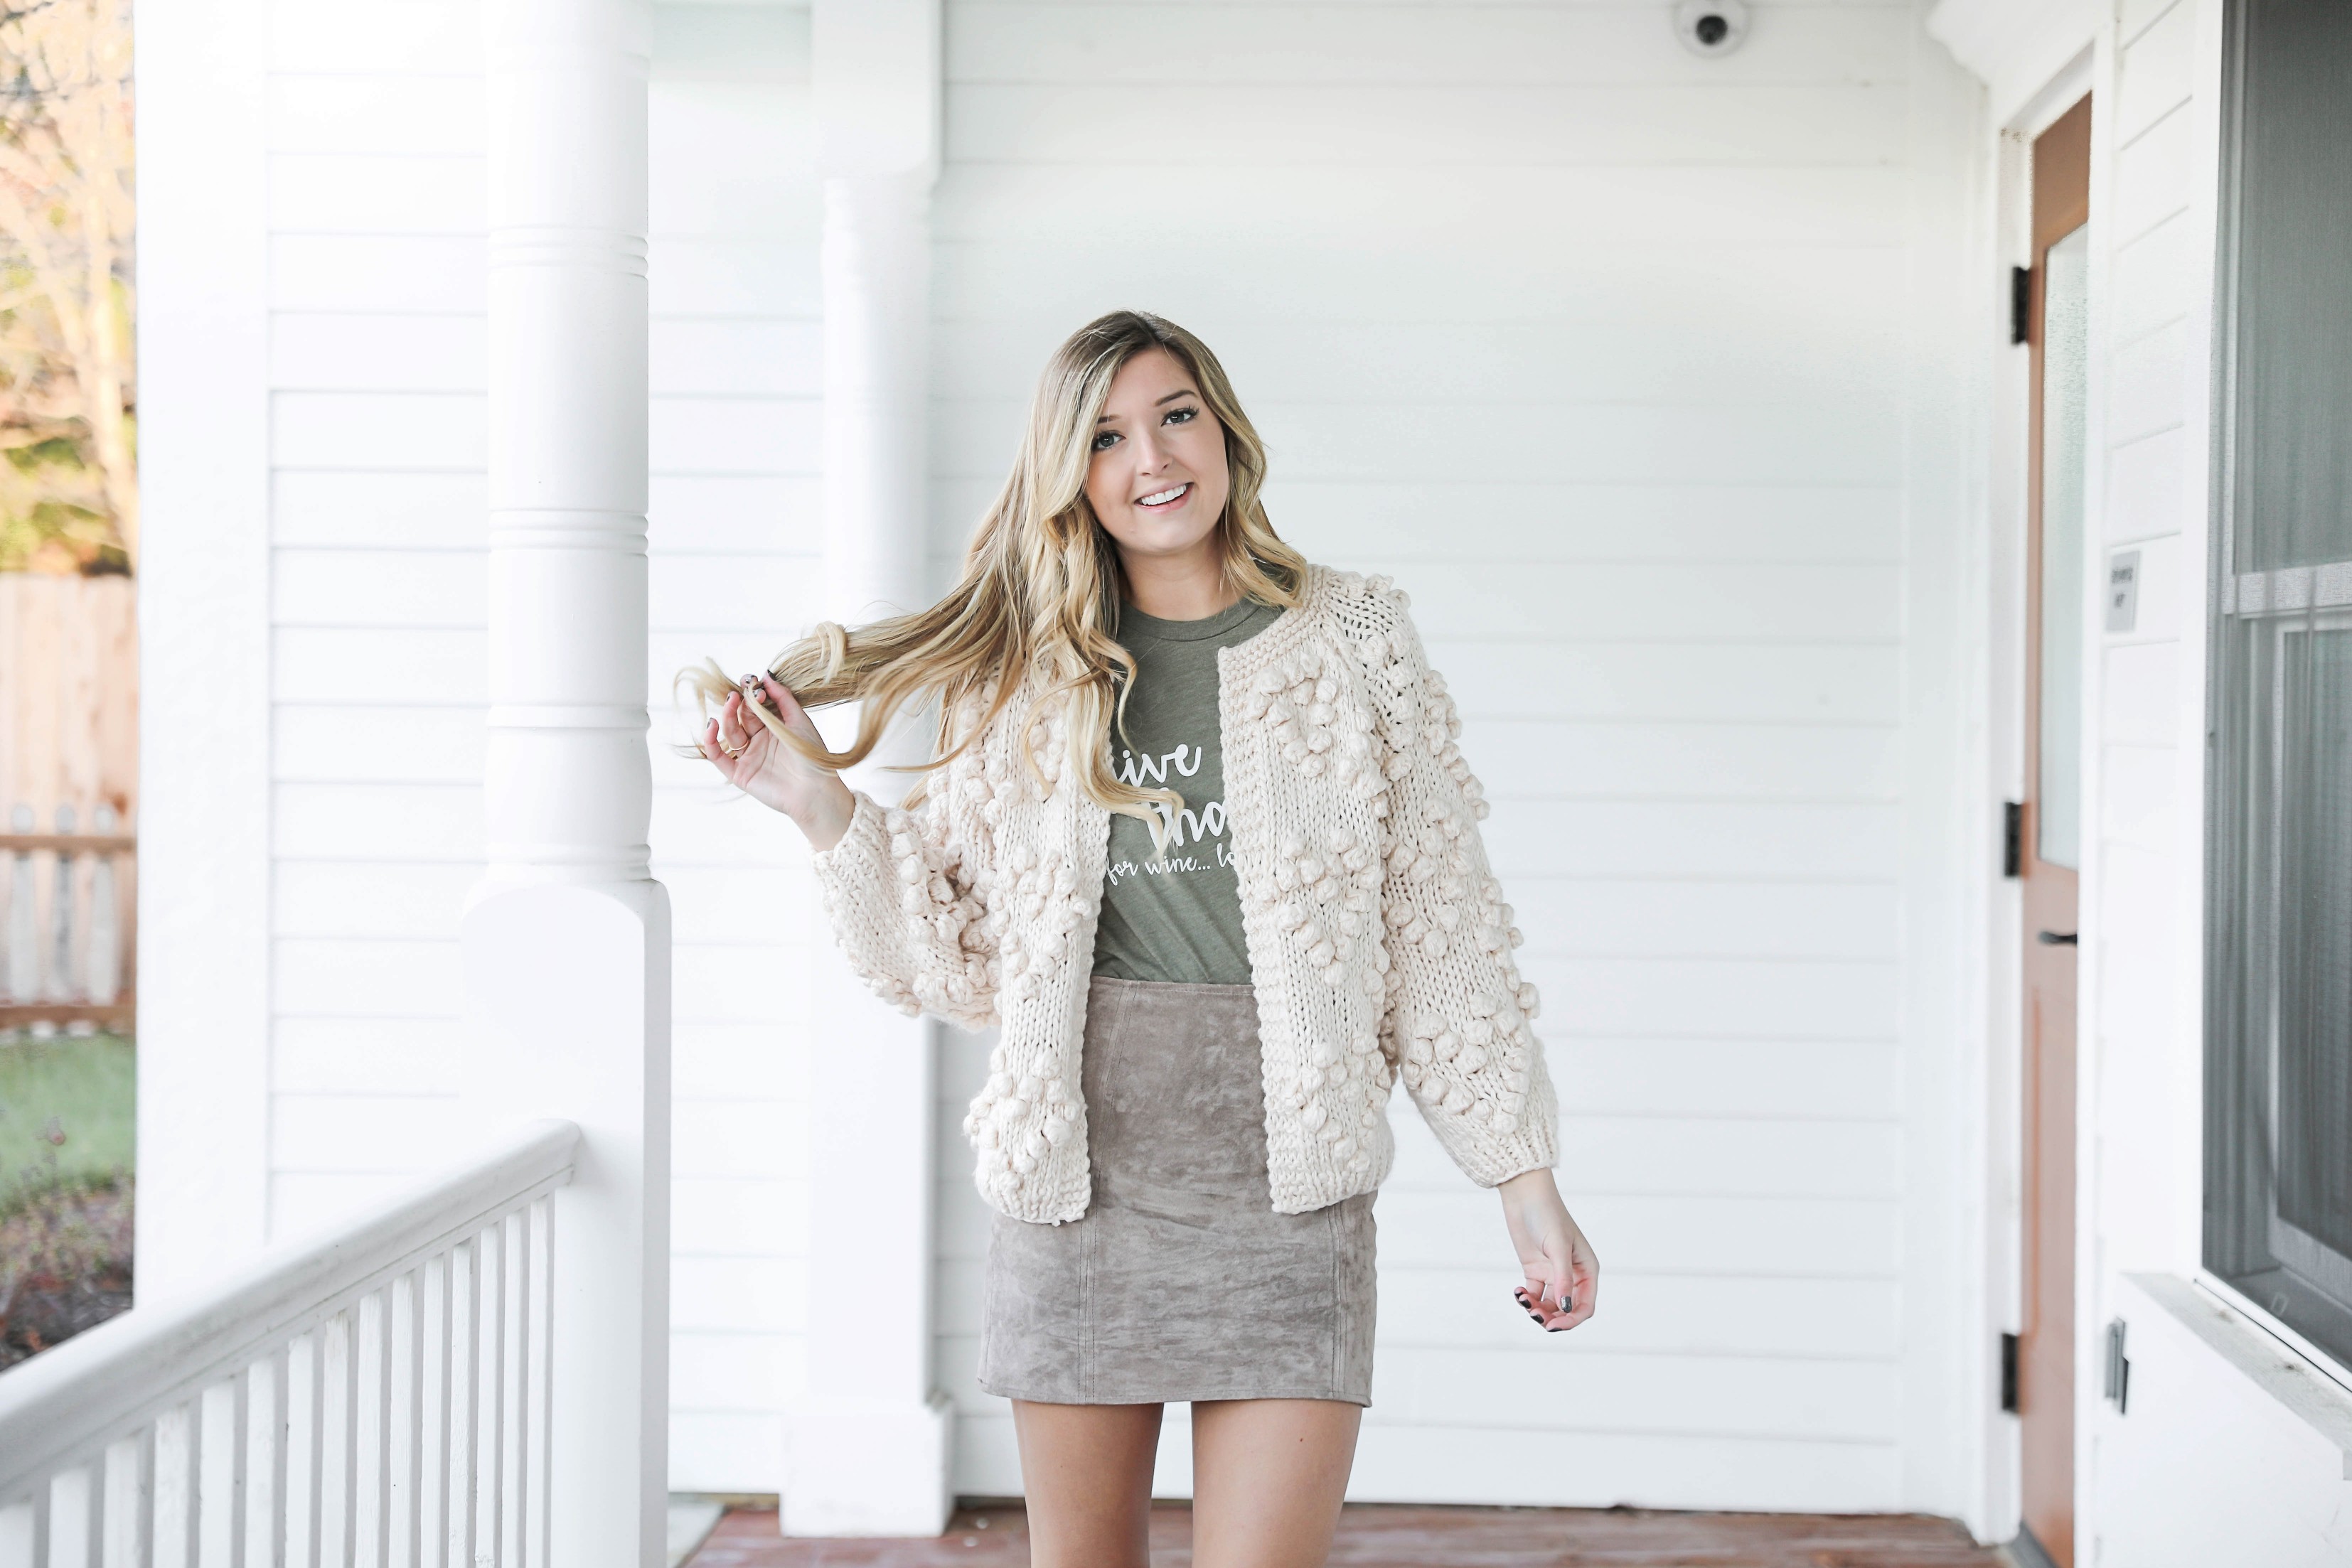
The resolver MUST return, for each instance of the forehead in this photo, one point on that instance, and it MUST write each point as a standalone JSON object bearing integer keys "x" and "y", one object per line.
{"x": 1146, "y": 378}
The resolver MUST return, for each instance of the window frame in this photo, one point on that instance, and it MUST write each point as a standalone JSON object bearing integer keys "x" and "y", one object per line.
{"x": 2243, "y": 608}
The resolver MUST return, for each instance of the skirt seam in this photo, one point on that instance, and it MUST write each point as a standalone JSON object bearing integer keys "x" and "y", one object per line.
{"x": 1338, "y": 1319}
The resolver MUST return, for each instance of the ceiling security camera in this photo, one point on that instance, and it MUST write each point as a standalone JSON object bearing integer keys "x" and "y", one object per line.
{"x": 1711, "y": 26}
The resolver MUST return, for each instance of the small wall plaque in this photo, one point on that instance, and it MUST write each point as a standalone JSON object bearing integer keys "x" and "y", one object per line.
{"x": 2123, "y": 590}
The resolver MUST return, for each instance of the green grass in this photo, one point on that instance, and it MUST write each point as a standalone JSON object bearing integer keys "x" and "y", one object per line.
{"x": 69, "y": 1099}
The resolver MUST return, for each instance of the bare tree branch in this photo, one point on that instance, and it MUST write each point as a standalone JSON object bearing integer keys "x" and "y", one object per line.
{"x": 67, "y": 371}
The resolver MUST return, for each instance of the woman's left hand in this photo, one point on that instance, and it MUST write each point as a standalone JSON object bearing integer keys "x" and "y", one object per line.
{"x": 1563, "y": 1277}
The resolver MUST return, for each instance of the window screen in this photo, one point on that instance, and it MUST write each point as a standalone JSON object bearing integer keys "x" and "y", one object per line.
{"x": 2278, "y": 1179}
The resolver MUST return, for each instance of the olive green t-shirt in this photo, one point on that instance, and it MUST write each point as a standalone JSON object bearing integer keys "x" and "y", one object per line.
{"x": 1175, "y": 915}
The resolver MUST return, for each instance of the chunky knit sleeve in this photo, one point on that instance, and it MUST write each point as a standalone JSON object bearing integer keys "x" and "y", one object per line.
{"x": 1459, "y": 1022}
{"x": 906, "y": 895}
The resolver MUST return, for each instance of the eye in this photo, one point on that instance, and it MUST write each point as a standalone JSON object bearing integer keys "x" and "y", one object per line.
{"x": 1181, "y": 416}
{"x": 1105, "y": 440}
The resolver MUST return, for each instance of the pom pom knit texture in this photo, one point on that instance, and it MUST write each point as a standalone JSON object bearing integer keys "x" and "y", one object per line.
{"x": 1379, "y": 941}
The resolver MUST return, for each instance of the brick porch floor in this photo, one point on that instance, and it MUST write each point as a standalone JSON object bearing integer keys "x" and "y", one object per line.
{"x": 1381, "y": 1536}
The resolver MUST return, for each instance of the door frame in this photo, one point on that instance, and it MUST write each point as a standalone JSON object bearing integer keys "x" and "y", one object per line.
{"x": 2044, "y": 233}
{"x": 2090, "y": 71}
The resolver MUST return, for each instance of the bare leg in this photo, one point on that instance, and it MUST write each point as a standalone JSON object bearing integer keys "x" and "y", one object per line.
{"x": 1086, "y": 1469}
{"x": 1268, "y": 1476}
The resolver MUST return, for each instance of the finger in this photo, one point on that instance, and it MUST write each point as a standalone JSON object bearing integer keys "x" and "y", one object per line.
{"x": 1582, "y": 1291}
{"x": 786, "y": 706}
{"x": 1549, "y": 1295}
{"x": 713, "y": 750}
{"x": 1540, "y": 1304}
{"x": 730, "y": 724}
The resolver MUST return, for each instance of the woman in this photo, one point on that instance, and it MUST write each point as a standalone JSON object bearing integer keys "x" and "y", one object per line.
{"x": 1197, "y": 839}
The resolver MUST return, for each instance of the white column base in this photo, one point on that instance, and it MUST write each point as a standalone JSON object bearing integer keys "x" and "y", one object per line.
{"x": 867, "y": 1467}
{"x": 568, "y": 1000}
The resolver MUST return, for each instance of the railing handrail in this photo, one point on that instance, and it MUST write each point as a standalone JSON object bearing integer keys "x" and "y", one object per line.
{"x": 66, "y": 1402}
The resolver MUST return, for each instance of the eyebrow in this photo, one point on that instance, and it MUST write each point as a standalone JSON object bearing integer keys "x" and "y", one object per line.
{"x": 1172, "y": 397}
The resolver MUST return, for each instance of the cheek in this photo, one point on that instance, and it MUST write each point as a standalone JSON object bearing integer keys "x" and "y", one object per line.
{"x": 1106, "y": 484}
{"x": 1207, "y": 459}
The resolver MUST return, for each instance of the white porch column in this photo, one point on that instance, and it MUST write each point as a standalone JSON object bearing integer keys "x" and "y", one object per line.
{"x": 871, "y": 1438}
{"x": 566, "y": 940}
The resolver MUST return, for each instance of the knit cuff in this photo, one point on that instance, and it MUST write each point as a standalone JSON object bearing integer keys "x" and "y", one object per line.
{"x": 860, "y": 886}
{"x": 1497, "y": 1160}
{"x": 862, "y": 851}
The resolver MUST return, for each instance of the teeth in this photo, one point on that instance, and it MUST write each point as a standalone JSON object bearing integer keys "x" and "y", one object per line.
{"x": 1162, "y": 498}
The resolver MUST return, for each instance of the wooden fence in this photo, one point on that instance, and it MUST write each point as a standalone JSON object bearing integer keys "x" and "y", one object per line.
{"x": 69, "y": 800}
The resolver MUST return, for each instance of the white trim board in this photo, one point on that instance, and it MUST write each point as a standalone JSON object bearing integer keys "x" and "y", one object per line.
{"x": 204, "y": 640}
{"x": 2018, "y": 48}
{"x": 2265, "y": 1360}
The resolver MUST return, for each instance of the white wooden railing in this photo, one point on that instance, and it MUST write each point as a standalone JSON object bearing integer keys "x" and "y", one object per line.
{"x": 376, "y": 1396}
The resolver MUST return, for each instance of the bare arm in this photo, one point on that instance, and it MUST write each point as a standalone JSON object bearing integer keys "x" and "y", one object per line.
{"x": 1563, "y": 1276}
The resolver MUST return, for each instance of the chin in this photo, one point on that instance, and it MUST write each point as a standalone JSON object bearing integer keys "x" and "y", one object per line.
{"x": 1164, "y": 540}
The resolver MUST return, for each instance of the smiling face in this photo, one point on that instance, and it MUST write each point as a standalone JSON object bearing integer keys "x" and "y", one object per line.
{"x": 1157, "y": 478}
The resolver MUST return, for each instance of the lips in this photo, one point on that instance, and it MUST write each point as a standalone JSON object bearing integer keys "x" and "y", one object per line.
{"x": 1159, "y": 499}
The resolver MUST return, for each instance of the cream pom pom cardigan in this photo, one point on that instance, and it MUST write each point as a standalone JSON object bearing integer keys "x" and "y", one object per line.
{"x": 1379, "y": 942}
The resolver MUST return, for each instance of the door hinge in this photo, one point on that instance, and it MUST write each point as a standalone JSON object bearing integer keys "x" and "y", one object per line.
{"x": 2009, "y": 1372}
{"x": 2012, "y": 838}
{"x": 2118, "y": 1381}
{"x": 2021, "y": 303}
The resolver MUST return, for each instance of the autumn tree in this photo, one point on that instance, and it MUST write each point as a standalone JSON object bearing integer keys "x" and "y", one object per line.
{"x": 69, "y": 484}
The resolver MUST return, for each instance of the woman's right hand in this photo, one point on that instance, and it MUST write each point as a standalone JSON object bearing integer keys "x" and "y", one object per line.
{"x": 750, "y": 756}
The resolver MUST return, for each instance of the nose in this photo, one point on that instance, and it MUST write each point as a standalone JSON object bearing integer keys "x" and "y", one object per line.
{"x": 1150, "y": 455}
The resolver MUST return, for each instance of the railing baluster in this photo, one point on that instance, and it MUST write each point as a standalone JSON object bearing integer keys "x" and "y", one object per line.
{"x": 434, "y": 1548}
{"x": 519, "y": 1442}
{"x": 403, "y": 1367}
{"x": 143, "y": 1533}
{"x": 16, "y": 1534}
{"x": 464, "y": 1346}
{"x": 189, "y": 1528}
{"x": 473, "y": 1406}
{"x": 93, "y": 1511}
{"x": 375, "y": 1402}
{"x": 67, "y": 1512}
{"x": 117, "y": 1525}
{"x": 282, "y": 1441}
{"x": 214, "y": 1409}
{"x": 240, "y": 1461}
{"x": 177, "y": 1450}
{"x": 256, "y": 1500}
{"x": 40, "y": 1532}
{"x": 344, "y": 1427}
{"x": 360, "y": 1452}
{"x": 543, "y": 1368}
{"x": 314, "y": 1448}
{"x": 494, "y": 1243}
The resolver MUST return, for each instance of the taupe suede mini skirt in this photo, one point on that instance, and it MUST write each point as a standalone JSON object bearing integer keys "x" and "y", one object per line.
{"x": 1181, "y": 1282}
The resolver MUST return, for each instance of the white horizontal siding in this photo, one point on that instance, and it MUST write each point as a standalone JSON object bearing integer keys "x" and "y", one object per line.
{"x": 1509, "y": 44}
{"x": 733, "y": 525}
{"x": 1596, "y": 347}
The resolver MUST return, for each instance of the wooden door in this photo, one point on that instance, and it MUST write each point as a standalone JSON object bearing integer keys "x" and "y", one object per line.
{"x": 2055, "y": 557}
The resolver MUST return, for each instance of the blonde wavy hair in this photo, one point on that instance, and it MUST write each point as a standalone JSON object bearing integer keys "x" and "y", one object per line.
{"x": 1039, "y": 589}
